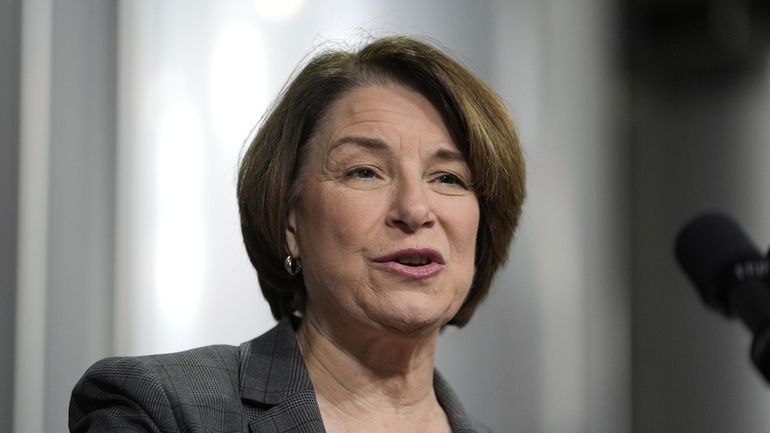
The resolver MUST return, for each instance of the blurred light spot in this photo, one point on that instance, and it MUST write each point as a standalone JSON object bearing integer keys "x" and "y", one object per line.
{"x": 277, "y": 10}
{"x": 179, "y": 241}
{"x": 237, "y": 83}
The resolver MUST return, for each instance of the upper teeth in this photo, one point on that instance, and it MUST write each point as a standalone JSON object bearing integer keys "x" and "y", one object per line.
{"x": 413, "y": 260}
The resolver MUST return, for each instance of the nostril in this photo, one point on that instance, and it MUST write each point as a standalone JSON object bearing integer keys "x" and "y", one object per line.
{"x": 413, "y": 225}
{"x": 410, "y": 207}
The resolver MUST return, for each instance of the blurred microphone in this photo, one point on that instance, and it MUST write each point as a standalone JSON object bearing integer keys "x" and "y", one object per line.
{"x": 731, "y": 276}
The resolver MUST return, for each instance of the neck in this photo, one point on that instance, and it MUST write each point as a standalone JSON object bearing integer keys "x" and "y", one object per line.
{"x": 371, "y": 376}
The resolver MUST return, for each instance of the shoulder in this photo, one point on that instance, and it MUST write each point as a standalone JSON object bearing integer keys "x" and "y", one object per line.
{"x": 159, "y": 392}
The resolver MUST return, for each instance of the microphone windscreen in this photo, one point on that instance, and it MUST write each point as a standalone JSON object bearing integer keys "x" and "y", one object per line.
{"x": 706, "y": 248}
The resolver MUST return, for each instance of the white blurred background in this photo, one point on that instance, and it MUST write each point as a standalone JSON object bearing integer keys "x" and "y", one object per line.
{"x": 122, "y": 124}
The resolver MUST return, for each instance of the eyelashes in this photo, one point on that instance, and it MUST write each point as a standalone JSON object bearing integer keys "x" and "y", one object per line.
{"x": 452, "y": 179}
{"x": 363, "y": 173}
{"x": 443, "y": 179}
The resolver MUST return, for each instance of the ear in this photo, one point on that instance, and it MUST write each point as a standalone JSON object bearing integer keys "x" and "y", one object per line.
{"x": 292, "y": 240}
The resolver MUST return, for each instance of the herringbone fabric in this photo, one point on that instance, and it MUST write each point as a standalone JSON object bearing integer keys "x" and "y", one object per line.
{"x": 260, "y": 387}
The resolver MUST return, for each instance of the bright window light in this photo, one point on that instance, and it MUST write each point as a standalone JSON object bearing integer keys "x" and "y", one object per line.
{"x": 277, "y": 10}
{"x": 237, "y": 83}
{"x": 179, "y": 241}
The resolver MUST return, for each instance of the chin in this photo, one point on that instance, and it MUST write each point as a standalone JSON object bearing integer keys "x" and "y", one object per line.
{"x": 411, "y": 318}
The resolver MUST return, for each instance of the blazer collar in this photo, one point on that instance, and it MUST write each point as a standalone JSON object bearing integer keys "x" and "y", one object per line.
{"x": 275, "y": 385}
{"x": 458, "y": 418}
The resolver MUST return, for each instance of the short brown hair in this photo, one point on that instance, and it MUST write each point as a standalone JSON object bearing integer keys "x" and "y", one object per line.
{"x": 475, "y": 116}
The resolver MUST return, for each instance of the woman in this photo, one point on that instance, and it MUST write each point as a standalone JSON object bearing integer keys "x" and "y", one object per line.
{"x": 377, "y": 200}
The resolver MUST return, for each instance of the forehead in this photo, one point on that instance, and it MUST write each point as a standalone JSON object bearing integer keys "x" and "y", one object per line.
{"x": 386, "y": 109}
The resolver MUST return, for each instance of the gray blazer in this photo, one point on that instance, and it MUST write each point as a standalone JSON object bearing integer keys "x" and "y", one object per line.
{"x": 260, "y": 387}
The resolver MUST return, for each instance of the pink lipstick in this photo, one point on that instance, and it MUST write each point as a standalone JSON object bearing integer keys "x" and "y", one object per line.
{"x": 417, "y": 263}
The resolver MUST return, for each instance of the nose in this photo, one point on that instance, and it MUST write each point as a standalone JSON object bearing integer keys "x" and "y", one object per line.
{"x": 411, "y": 209}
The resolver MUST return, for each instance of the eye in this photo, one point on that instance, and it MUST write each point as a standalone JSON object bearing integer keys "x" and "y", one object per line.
{"x": 362, "y": 173}
{"x": 451, "y": 179}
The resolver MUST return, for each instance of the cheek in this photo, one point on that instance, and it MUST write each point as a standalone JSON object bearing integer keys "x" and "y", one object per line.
{"x": 467, "y": 232}
{"x": 334, "y": 231}
{"x": 335, "y": 222}
{"x": 463, "y": 227}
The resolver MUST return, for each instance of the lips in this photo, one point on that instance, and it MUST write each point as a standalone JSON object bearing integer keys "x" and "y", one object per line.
{"x": 415, "y": 263}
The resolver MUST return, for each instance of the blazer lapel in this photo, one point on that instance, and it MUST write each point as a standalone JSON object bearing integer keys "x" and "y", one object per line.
{"x": 458, "y": 418}
{"x": 276, "y": 390}
{"x": 298, "y": 414}
{"x": 278, "y": 396}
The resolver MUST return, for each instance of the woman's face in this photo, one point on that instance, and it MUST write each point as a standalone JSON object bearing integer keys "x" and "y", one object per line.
{"x": 386, "y": 221}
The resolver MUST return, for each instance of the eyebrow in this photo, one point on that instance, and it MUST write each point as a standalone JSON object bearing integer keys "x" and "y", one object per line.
{"x": 366, "y": 142}
{"x": 442, "y": 154}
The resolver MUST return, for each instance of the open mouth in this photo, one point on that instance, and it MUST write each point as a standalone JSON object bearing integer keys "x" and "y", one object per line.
{"x": 413, "y": 257}
{"x": 414, "y": 263}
